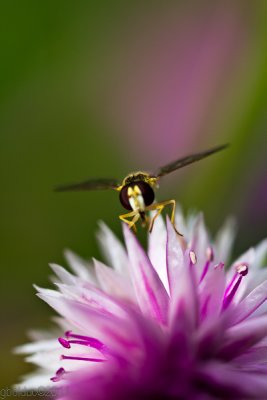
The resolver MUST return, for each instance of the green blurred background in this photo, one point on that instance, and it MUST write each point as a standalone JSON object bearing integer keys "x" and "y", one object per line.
{"x": 98, "y": 89}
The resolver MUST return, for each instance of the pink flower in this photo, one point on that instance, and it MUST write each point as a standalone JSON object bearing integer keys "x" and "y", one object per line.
{"x": 169, "y": 323}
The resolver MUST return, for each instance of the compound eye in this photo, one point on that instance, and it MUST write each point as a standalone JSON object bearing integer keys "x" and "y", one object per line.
{"x": 147, "y": 192}
{"x": 124, "y": 198}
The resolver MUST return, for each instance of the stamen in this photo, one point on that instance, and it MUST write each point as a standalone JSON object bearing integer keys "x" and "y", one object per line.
{"x": 241, "y": 271}
{"x": 81, "y": 339}
{"x": 210, "y": 254}
{"x": 210, "y": 258}
{"x": 193, "y": 257}
{"x": 63, "y": 357}
{"x": 64, "y": 342}
{"x": 60, "y": 372}
{"x": 220, "y": 265}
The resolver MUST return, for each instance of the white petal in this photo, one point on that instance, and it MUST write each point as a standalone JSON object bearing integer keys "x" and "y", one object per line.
{"x": 92, "y": 297}
{"x": 42, "y": 345}
{"x": 80, "y": 267}
{"x": 38, "y": 335}
{"x": 112, "y": 249}
{"x": 246, "y": 332}
{"x": 150, "y": 291}
{"x": 224, "y": 241}
{"x": 39, "y": 379}
{"x": 157, "y": 250}
{"x": 96, "y": 322}
{"x": 182, "y": 281}
{"x": 63, "y": 324}
{"x": 48, "y": 292}
{"x": 200, "y": 243}
{"x": 257, "y": 274}
{"x": 49, "y": 359}
{"x": 251, "y": 303}
{"x": 62, "y": 274}
{"x": 114, "y": 283}
{"x": 211, "y": 291}
{"x": 261, "y": 254}
{"x": 175, "y": 259}
{"x": 256, "y": 279}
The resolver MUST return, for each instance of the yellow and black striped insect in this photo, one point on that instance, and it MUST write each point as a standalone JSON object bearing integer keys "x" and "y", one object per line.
{"x": 136, "y": 191}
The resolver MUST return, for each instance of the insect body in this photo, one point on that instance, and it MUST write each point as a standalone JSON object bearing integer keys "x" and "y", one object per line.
{"x": 136, "y": 191}
{"x": 137, "y": 195}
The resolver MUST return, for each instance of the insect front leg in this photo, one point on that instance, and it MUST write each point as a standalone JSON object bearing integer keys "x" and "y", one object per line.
{"x": 135, "y": 214}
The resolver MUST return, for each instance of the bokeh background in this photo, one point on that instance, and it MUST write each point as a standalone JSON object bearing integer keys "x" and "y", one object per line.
{"x": 101, "y": 88}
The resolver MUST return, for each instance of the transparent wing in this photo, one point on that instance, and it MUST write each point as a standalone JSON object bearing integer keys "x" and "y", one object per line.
{"x": 182, "y": 162}
{"x": 91, "y": 184}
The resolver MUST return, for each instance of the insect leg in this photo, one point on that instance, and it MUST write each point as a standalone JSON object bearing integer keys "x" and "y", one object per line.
{"x": 173, "y": 204}
{"x": 131, "y": 224}
{"x": 160, "y": 206}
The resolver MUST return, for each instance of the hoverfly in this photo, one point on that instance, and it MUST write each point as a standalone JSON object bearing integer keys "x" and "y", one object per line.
{"x": 136, "y": 191}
